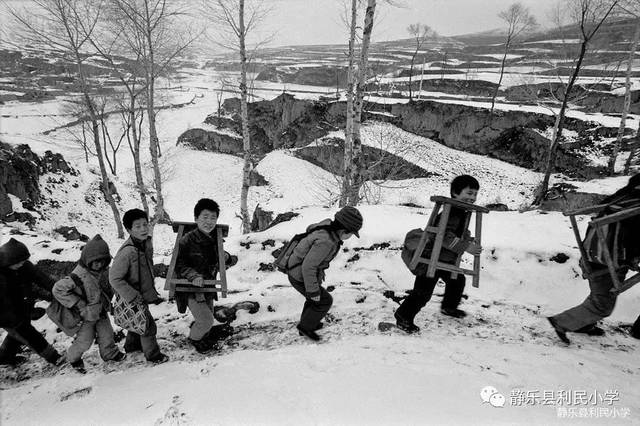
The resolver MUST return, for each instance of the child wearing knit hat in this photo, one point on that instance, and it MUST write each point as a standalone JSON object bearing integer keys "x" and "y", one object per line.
{"x": 311, "y": 257}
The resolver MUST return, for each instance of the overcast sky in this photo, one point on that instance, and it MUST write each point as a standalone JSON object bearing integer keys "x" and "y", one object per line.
{"x": 319, "y": 21}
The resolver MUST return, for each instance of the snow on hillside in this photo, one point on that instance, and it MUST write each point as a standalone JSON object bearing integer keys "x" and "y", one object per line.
{"x": 267, "y": 374}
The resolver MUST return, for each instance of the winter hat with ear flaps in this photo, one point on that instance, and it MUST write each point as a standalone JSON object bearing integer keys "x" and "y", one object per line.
{"x": 350, "y": 218}
{"x": 95, "y": 249}
{"x": 12, "y": 252}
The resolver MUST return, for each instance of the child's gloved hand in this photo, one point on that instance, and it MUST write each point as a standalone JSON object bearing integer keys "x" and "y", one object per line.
{"x": 198, "y": 282}
{"x": 314, "y": 297}
{"x": 474, "y": 248}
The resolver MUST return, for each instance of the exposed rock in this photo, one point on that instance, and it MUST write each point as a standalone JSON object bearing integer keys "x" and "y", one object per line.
{"x": 326, "y": 76}
{"x": 283, "y": 217}
{"x": 211, "y": 141}
{"x": 268, "y": 243}
{"x": 266, "y": 267}
{"x": 25, "y": 217}
{"x": 498, "y": 207}
{"x": 559, "y": 258}
{"x": 56, "y": 269}
{"x": 256, "y": 179}
{"x": 261, "y": 219}
{"x": 379, "y": 164}
{"x": 70, "y": 233}
{"x": 564, "y": 198}
{"x": 20, "y": 170}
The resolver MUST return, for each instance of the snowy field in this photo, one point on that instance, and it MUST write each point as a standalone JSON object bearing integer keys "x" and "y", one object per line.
{"x": 265, "y": 373}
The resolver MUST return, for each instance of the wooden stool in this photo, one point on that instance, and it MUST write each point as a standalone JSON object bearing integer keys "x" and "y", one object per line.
{"x": 184, "y": 285}
{"x": 439, "y": 232}
{"x": 598, "y": 224}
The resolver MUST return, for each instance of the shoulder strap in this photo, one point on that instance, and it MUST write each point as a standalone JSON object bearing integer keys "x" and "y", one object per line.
{"x": 76, "y": 279}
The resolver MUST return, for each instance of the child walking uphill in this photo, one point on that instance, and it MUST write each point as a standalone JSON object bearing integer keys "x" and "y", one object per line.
{"x": 457, "y": 240}
{"x": 20, "y": 284}
{"x": 88, "y": 292}
{"x": 601, "y": 301}
{"x": 309, "y": 260}
{"x": 131, "y": 275}
{"x": 198, "y": 261}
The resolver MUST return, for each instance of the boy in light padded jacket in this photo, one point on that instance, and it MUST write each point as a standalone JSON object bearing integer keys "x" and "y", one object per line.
{"x": 311, "y": 258}
{"x": 131, "y": 275}
{"x": 457, "y": 240}
{"x": 92, "y": 301}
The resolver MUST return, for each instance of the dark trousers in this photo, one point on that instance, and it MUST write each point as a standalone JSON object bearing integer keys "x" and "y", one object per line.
{"x": 598, "y": 305}
{"x": 423, "y": 289}
{"x": 312, "y": 312}
{"x": 25, "y": 334}
{"x": 147, "y": 342}
{"x": 635, "y": 330}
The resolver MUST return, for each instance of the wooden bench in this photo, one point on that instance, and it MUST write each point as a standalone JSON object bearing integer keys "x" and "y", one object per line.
{"x": 439, "y": 231}
{"x": 598, "y": 224}
{"x": 210, "y": 286}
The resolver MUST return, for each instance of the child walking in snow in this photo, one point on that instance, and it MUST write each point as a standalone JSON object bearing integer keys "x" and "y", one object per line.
{"x": 198, "y": 261}
{"x": 457, "y": 240}
{"x": 20, "y": 284}
{"x": 131, "y": 275}
{"x": 88, "y": 292}
{"x": 311, "y": 257}
{"x": 600, "y": 302}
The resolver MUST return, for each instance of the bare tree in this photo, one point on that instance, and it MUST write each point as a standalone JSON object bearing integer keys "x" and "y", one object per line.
{"x": 238, "y": 23}
{"x": 420, "y": 33}
{"x": 353, "y": 159}
{"x": 66, "y": 25}
{"x": 152, "y": 33}
{"x": 633, "y": 9}
{"x": 588, "y": 16}
{"x": 519, "y": 21}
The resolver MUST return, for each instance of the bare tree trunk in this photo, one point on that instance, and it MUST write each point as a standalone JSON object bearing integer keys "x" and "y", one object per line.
{"x": 413, "y": 59}
{"x": 358, "y": 167}
{"x": 151, "y": 117}
{"x": 348, "y": 133}
{"x": 633, "y": 152}
{"x": 135, "y": 152}
{"x": 246, "y": 142}
{"x": 95, "y": 127}
{"x": 627, "y": 101}
{"x": 495, "y": 92}
{"x": 557, "y": 130}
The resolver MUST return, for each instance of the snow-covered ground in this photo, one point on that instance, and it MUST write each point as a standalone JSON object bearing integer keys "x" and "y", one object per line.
{"x": 266, "y": 373}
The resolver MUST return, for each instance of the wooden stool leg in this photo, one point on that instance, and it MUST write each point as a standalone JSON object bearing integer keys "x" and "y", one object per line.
{"x": 437, "y": 245}
{"x": 222, "y": 263}
{"x": 423, "y": 240}
{"x": 476, "y": 258}
{"x": 172, "y": 264}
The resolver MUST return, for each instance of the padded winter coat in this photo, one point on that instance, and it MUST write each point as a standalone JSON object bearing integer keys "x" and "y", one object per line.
{"x": 312, "y": 256}
{"x": 456, "y": 236}
{"x": 198, "y": 257}
{"x": 19, "y": 290}
{"x": 93, "y": 301}
{"x": 131, "y": 273}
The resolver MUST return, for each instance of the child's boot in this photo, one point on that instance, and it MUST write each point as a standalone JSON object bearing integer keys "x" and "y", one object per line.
{"x": 79, "y": 366}
{"x": 405, "y": 325}
{"x": 453, "y": 312}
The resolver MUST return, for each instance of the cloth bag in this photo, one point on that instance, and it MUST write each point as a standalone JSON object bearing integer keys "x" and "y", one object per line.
{"x": 130, "y": 316}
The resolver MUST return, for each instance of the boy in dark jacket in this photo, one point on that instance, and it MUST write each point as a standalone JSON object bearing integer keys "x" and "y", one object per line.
{"x": 601, "y": 301}
{"x": 309, "y": 260}
{"x": 20, "y": 283}
{"x": 456, "y": 241}
{"x": 131, "y": 275}
{"x": 91, "y": 297}
{"x": 198, "y": 261}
